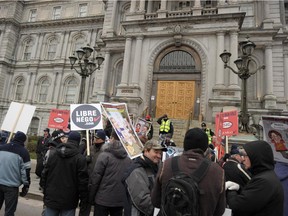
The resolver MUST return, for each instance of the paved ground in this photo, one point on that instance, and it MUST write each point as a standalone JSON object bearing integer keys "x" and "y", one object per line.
{"x": 34, "y": 192}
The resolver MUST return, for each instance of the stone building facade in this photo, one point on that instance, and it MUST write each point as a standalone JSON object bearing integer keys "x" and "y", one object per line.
{"x": 161, "y": 56}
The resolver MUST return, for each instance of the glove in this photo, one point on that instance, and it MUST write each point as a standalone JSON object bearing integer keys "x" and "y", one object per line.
{"x": 229, "y": 185}
{"x": 24, "y": 191}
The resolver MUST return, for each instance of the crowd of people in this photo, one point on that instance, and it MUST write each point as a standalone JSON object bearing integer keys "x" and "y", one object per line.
{"x": 103, "y": 179}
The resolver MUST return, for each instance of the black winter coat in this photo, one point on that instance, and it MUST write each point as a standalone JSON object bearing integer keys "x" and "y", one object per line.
{"x": 65, "y": 178}
{"x": 263, "y": 195}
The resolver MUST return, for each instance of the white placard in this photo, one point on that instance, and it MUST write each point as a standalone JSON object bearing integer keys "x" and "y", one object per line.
{"x": 18, "y": 117}
{"x": 85, "y": 117}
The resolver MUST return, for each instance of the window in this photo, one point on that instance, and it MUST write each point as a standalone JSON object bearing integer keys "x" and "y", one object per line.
{"x": 27, "y": 50}
{"x": 19, "y": 89}
{"x": 43, "y": 90}
{"x": 52, "y": 47}
{"x": 56, "y": 12}
{"x": 82, "y": 10}
{"x": 33, "y": 129}
{"x": 32, "y": 15}
{"x": 70, "y": 90}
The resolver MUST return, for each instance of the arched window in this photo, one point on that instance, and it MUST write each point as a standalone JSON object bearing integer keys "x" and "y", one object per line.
{"x": 70, "y": 90}
{"x": 43, "y": 90}
{"x": 19, "y": 88}
{"x": 80, "y": 42}
{"x": 52, "y": 47}
{"x": 27, "y": 50}
{"x": 177, "y": 61}
{"x": 33, "y": 129}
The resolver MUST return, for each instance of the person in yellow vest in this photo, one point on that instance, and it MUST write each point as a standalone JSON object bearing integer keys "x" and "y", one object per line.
{"x": 166, "y": 126}
{"x": 208, "y": 131}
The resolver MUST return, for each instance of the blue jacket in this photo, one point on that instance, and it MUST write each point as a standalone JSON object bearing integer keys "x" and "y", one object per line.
{"x": 15, "y": 164}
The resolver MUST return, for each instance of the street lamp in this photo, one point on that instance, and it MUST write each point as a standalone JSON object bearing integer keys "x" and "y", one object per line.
{"x": 242, "y": 63}
{"x": 87, "y": 67}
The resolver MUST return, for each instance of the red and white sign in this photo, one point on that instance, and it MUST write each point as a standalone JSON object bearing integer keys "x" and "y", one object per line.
{"x": 229, "y": 123}
{"x": 58, "y": 119}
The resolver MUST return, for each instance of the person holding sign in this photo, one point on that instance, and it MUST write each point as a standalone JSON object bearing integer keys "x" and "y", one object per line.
{"x": 15, "y": 168}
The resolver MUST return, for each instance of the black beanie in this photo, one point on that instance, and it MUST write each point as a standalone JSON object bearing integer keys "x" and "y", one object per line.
{"x": 74, "y": 136}
{"x": 195, "y": 138}
{"x": 20, "y": 137}
{"x": 56, "y": 135}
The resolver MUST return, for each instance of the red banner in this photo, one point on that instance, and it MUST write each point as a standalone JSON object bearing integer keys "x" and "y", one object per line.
{"x": 58, "y": 118}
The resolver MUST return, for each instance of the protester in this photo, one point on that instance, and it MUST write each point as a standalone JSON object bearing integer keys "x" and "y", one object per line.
{"x": 208, "y": 131}
{"x": 15, "y": 168}
{"x": 166, "y": 126}
{"x": 139, "y": 180}
{"x": 105, "y": 189}
{"x": 263, "y": 194}
{"x": 41, "y": 151}
{"x": 151, "y": 130}
{"x": 234, "y": 169}
{"x": 98, "y": 141}
{"x": 65, "y": 179}
{"x": 281, "y": 170}
{"x": 212, "y": 199}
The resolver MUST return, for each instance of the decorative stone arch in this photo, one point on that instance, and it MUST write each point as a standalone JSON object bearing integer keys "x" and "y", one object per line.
{"x": 74, "y": 38}
{"x": 194, "y": 45}
{"x": 25, "y": 40}
{"x": 64, "y": 82}
{"x": 16, "y": 80}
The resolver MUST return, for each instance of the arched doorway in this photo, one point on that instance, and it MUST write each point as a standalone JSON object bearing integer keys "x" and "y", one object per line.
{"x": 176, "y": 83}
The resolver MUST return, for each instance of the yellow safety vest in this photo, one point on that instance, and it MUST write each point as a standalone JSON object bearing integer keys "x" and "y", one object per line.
{"x": 207, "y": 130}
{"x": 165, "y": 126}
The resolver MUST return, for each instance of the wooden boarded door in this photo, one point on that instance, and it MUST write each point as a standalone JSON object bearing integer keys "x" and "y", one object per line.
{"x": 175, "y": 98}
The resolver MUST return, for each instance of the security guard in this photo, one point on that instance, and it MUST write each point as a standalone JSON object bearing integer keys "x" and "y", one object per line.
{"x": 208, "y": 131}
{"x": 166, "y": 125}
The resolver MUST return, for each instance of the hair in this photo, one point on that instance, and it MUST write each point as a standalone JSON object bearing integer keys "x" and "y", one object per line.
{"x": 114, "y": 135}
{"x": 275, "y": 132}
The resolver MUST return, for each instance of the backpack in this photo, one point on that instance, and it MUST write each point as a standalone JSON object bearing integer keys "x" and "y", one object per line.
{"x": 181, "y": 194}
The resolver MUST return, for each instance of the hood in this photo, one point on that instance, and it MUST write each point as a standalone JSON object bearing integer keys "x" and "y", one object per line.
{"x": 116, "y": 149}
{"x": 66, "y": 150}
{"x": 261, "y": 156}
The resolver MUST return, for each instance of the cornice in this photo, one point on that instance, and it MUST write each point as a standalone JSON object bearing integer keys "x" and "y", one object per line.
{"x": 64, "y": 22}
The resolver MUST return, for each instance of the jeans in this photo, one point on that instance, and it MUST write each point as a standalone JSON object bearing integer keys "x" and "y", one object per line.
{"x": 100, "y": 210}
{"x": 10, "y": 196}
{"x": 55, "y": 212}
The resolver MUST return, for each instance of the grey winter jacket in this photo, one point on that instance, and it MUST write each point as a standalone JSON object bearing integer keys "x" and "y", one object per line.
{"x": 105, "y": 186}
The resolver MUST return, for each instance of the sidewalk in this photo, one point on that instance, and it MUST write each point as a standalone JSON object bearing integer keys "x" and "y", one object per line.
{"x": 34, "y": 192}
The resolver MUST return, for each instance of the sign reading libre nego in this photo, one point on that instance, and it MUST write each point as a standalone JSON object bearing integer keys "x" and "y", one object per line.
{"x": 86, "y": 116}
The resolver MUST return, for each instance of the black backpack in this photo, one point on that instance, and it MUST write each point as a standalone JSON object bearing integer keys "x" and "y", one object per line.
{"x": 181, "y": 195}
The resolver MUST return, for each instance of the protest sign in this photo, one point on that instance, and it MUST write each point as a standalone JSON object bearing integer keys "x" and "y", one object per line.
{"x": 58, "y": 118}
{"x": 276, "y": 134}
{"x": 119, "y": 117}
{"x": 142, "y": 127}
{"x": 86, "y": 117}
{"x": 18, "y": 117}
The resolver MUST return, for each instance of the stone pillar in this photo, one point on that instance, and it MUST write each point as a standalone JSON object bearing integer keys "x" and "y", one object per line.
{"x": 267, "y": 22}
{"x": 269, "y": 97}
{"x": 33, "y": 54}
{"x": 197, "y": 3}
{"x": 233, "y": 82}
{"x": 114, "y": 9}
{"x": 39, "y": 49}
{"x": 133, "y": 6}
{"x": 137, "y": 61}
{"x": 163, "y": 5}
{"x": 142, "y": 6}
{"x": 219, "y": 62}
{"x": 65, "y": 45}
{"x": 60, "y": 46}
{"x": 105, "y": 72}
{"x": 286, "y": 75}
{"x": 126, "y": 63}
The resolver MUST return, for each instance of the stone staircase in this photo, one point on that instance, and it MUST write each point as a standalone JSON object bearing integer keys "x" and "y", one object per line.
{"x": 180, "y": 128}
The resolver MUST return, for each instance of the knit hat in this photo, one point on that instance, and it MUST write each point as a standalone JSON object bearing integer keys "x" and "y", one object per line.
{"x": 47, "y": 129}
{"x": 195, "y": 138}
{"x": 203, "y": 124}
{"x": 20, "y": 137}
{"x": 56, "y": 135}
{"x": 101, "y": 134}
{"x": 234, "y": 150}
{"x": 148, "y": 117}
{"x": 74, "y": 136}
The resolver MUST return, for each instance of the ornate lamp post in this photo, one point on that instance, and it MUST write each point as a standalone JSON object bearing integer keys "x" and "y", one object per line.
{"x": 247, "y": 47}
{"x": 87, "y": 67}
